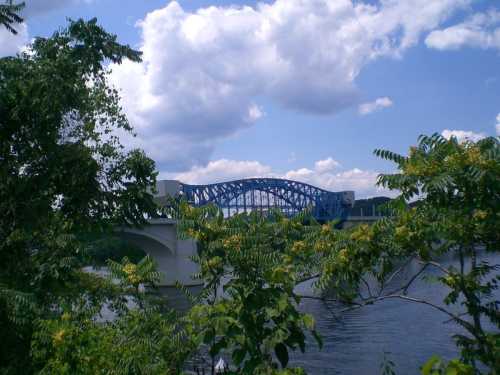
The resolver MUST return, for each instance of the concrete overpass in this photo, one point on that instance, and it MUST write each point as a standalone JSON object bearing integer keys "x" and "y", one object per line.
{"x": 159, "y": 240}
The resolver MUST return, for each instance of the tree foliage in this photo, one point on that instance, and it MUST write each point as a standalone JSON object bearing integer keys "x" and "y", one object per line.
{"x": 250, "y": 265}
{"x": 457, "y": 187}
{"x": 140, "y": 338}
{"x": 63, "y": 176}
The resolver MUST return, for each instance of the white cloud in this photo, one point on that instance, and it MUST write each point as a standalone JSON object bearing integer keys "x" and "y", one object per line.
{"x": 224, "y": 170}
{"x": 11, "y": 44}
{"x": 326, "y": 165}
{"x": 481, "y": 30}
{"x": 254, "y": 113}
{"x": 376, "y": 105}
{"x": 362, "y": 182}
{"x": 322, "y": 175}
{"x": 463, "y": 135}
{"x": 497, "y": 126}
{"x": 204, "y": 70}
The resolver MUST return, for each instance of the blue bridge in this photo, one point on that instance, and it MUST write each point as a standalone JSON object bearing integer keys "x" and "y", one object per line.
{"x": 263, "y": 194}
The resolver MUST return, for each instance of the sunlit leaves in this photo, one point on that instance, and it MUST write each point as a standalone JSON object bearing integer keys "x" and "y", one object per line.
{"x": 437, "y": 366}
{"x": 458, "y": 185}
{"x": 257, "y": 260}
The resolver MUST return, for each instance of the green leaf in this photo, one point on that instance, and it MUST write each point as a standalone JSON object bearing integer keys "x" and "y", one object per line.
{"x": 238, "y": 355}
{"x": 308, "y": 320}
{"x": 282, "y": 354}
{"x": 318, "y": 339}
{"x": 429, "y": 366}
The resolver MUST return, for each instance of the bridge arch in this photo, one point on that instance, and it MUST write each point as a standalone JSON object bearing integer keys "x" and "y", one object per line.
{"x": 263, "y": 193}
{"x": 173, "y": 256}
{"x": 146, "y": 240}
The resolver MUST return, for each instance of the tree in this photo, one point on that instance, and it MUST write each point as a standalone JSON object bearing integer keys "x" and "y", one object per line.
{"x": 63, "y": 176}
{"x": 457, "y": 187}
{"x": 256, "y": 261}
{"x": 9, "y": 15}
{"x": 141, "y": 338}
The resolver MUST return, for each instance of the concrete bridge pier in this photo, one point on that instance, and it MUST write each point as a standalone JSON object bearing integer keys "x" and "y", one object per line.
{"x": 159, "y": 240}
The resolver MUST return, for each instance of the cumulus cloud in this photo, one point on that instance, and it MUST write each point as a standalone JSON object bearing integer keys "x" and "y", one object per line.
{"x": 11, "y": 44}
{"x": 377, "y": 105}
{"x": 362, "y": 182}
{"x": 326, "y": 165}
{"x": 323, "y": 174}
{"x": 481, "y": 30}
{"x": 204, "y": 71}
{"x": 463, "y": 135}
{"x": 224, "y": 170}
{"x": 497, "y": 126}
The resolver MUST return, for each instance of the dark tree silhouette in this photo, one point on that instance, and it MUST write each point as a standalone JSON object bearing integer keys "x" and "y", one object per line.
{"x": 9, "y": 15}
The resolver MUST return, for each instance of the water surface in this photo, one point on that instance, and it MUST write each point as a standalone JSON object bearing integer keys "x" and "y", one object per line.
{"x": 409, "y": 333}
{"x": 355, "y": 342}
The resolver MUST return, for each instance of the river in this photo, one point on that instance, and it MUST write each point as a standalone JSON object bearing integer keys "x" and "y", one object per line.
{"x": 355, "y": 342}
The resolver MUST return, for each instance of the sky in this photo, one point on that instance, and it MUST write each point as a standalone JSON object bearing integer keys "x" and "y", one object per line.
{"x": 298, "y": 89}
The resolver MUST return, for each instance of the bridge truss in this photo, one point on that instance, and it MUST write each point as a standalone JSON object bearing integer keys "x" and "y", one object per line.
{"x": 262, "y": 194}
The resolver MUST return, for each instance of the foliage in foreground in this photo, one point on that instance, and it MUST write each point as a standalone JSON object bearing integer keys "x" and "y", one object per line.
{"x": 458, "y": 213}
{"x": 63, "y": 176}
{"x": 138, "y": 336}
{"x": 250, "y": 265}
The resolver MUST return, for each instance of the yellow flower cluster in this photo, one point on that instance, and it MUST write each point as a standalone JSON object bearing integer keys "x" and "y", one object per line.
{"x": 321, "y": 246}
{"x": 474, "y": 155}
{"x": 191, "y": 233}
{"x": 326, "y": 229}
{"x": 66, "y": 316}
{"x": 343, "y": 256}
{"x": 480, "y": 215}
{"x": 233, "y": 242}
{"x": 299, "y": 247}
{"x": 411, "y": 169}
{"x": 131, "y": 270}
{"x": 362, "y": 233}
{"x": 59, "y": 336}
{"x": 402, "y": 232}
{"x": 214, "y": 263}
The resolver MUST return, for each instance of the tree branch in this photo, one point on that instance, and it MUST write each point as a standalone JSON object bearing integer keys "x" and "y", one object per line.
{"x": 395, "y": 273}
{"x": 452, "y": 316}
{"x": 438, "y": 266}
{"x": 307, "y": 278}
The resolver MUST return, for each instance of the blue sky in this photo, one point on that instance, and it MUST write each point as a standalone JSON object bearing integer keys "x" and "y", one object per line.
{"x": 294, "y": 88}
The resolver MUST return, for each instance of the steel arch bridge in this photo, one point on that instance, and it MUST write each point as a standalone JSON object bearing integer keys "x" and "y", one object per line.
{"x": 262, "y": 194}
